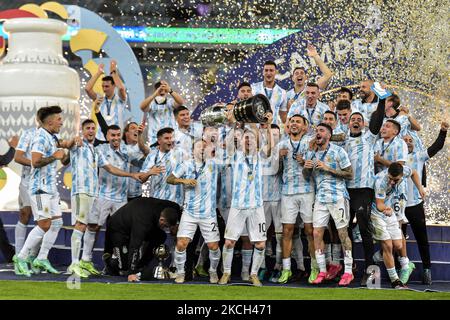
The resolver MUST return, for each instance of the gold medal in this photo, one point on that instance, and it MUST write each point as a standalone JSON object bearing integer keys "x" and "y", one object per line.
{"x": 250, "y": 177}
{"x": 94, "y": 164}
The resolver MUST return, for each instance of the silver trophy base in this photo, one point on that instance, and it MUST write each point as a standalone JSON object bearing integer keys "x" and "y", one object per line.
{"x": 161, "y": 273}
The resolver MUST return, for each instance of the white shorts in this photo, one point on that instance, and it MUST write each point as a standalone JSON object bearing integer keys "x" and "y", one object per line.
{"x": 273, "y": 214}
{"x": 386, "y": 228}
{"x": 101, "y": 209}
{"x": 45, "y": 206}
{"x": 225, "y": 212}
{"x": 208, "y": 228}
{"x": 339, "y": 211}
{"x": 24, "y": 194}
{"x": 253, "y": 219}
{"x": 81, "y": 206}
{"x": 292, "y": 205}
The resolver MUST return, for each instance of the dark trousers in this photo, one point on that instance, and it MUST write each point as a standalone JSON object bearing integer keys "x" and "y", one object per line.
{"x": 360, "y": 205}
{"x": 416, "y": 218}
{"x": 5, "y": 247}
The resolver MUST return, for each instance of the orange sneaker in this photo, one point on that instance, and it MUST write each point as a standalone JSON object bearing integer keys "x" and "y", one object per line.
{"x": 333, "y": 271}
{"x": 320, "y": 277}
{"x": 346, "y": 279}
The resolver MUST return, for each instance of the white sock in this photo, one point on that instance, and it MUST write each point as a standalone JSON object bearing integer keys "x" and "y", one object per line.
{"x": 33, "y": 240}
{"x": 35, "y": 250}
{"x": 287, "y": 264}
{"x": 20, "y": 233}
{"x": 49, "y": 238}
{"x": 278, "y": 251}
{"x": 180, "y": 260}
{"x": 337, "y": 250}
{"x": 263, "y": 263}
{"x": 348, "y": 261}
{"x": 214, "y": 259}
{"x": 258, "y": 259}
{"x": 320, "y": 257}
{"x": 88, "y": 245}
{"x": 298, "y": 248}
{"x": 328, "y": 253}
{"x": 404, "y": 262}
{"x": 392, "y": 274}
{"x": 227, "y": 259}
{"x": 246, "y": 260}
{"x": 75, "y": 245}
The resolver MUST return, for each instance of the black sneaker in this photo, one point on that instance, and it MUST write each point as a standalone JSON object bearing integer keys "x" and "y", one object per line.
{"x": 397, "y": 284}
{"x": 298, "y": 276}
{"x": 426, "y": 277}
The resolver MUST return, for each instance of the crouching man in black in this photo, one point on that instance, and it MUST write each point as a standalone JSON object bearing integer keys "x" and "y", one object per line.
{"x": 134, "y": 231}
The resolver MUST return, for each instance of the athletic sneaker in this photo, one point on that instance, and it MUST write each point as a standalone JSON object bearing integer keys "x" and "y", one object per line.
{"x": 262, "y": 274}
{"x": 34, "y": 270}
{"x": 406, "y": 273}
{"x": 45, "y": 265}
{"x": 179, "y": 278}
{"x": 89, "y": 267}
{"x": 320, "y": 278}
{"x": 22, "y": 267}
{"x": 213, "y": 277}
{"x": 275, "y": 276}
{"x": 285, "y": 276}
{"x": 333, "y": 271}
{"x": 397, "y": 284}
{"x": 200, "y": 271}
{"x": 75, "y": 268}
{"x": 313, "y": 275}
{"x": 225, "y": 278}
{"x": 426, "y": 277}
{"x": 254, "y": 279}
{"x": 346, "y": 279}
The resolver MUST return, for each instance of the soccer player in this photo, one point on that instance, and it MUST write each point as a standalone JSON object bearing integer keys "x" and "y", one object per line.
{"x": 390, "y": 148}
{"x": 300, "y": 77}
{"x": 368, "y": 101}
{"x": 344, "y": 93}
{"x": 45, "y": 150}
{"x": 389, "y": 200}
{"x": 359, "y": 146}
{"x": 297, "y": 192}
{"x": 343, "y": 110}
{"x": 187, "y": 131}
{"x": 247, "y": 203}
{"x": 415, "y": 212}
{"x": 330, "y": 167}
{"x": 273, "y": 92}
{"x": 159, "y": 109}
{"x": 113, "y": 103}
{"x": 199, "y": 179}
{"x": 85, "y": 161}
{"x": 330, "y": 118}
{"x": 310, "y": 107}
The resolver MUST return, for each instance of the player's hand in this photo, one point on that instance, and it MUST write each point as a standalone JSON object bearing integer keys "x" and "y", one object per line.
{"x": 13, "y": 141}
{"x": 283, "y": 152}
{"x": 405, "y": 109}
{"x": 59, "y": 154}
{"x": 444, "y": 126}
{"x": 269, "y": 117}
{"x": 78, "y": 141}
{"x": 157, "y": 170}
{"x": 378, "y": 158}
{"x": 101, "y": 68}
{"x": 289, "y": 104}
{"x": 422, "y": 193}
{"x": 300, "y": 159}
{"x": 311, "y": 50}
{"x": 113, "y": 66}
{"x": 134, "y": 278}
{"x": 136, "y": 176}
{"x": 322, "y": 166}
{"x": 388, "y": 211}
{"x": 190, "y": 182}
{"x": 141, "y": 128}
{"x": 309, "y": 164}
{"x": 98, "y": 102}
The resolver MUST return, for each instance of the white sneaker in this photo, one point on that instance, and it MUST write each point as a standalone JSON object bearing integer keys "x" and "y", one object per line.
{"x": 213, "y": 277}
{"x": 179, "y": 278}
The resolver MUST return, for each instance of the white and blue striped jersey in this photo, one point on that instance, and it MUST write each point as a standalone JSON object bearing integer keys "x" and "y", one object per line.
{"x": 291, "y": 95}
{"x": 415, "y": 161}
{"x": 394, "y": 150}
{"x": 84, "y": 162}
{"x": 276, "y": 96}
{"x": 185, "y": 139}
{"x": 405, "y": 126}
{"x": 113, "y": 111}
{"x": 313, "y": 115}
{"x": 160, "y": 116}
{"x": 293, "y": 181}
{"x": 158, "y": 186}
{"x": 199, "y": 201}
{"x": 26, "y": 138}
{"x": 247, "y": 181}
{"x": 112, "y": 187}
{"x": 329, "y": 188}
{"x": 271, "y": 175}
{"x": 43, "y": 179}
{"x": 360, "y": 152}
{"x": 366, "y": 109}
{"x": 135, "y": 186}
{"x": 394, "y": 197}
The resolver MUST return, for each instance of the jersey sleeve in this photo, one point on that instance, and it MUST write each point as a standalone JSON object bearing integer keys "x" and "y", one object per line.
{"x": 343, "y": 159}
{"x": 180, "y": 170}
{"x": 380, "y": 191}
{"x": 24, "y": 141}
{"x": 39, "y": 145}
{"x": 147, "y": 163}
{"x": 101, "y": 159}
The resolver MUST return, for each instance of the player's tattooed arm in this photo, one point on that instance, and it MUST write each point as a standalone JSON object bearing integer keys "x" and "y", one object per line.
{"x": 346, "y": 173}
{"x": 39, "y": 161}
{"x": 308, "y": 169}
{"x": 338, "y": 137}
{"x": 174, "y": 180}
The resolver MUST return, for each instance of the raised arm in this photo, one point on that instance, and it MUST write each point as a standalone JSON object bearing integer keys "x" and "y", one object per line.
{"x": 90, "y": 84}
{"x": 440, "y": 140}
{"x": 326, "y": 72}
{"x": 117, "y": 81}
{"x": 376, "y": 121}
{"x": 415, "y": 125}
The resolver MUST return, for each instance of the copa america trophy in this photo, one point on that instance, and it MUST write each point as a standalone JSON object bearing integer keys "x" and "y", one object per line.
{"x": 162, "y": 253}
{"x": 251, "y": 110}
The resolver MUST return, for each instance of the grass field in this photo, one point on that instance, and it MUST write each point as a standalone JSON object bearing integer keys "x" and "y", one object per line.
{"x": 35, "y": 290}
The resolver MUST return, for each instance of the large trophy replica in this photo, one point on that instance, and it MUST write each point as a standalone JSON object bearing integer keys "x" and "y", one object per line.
{"x": 35, "y": 74}
{"x": 251, "y": 110}
{"x": 162, "y": 253}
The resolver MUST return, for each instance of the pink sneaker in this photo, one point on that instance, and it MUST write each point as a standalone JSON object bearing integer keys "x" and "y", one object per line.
{"x": 346, "y": 279}
{"x": 320, "y": 277}
{"x": 333, "y": 271}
